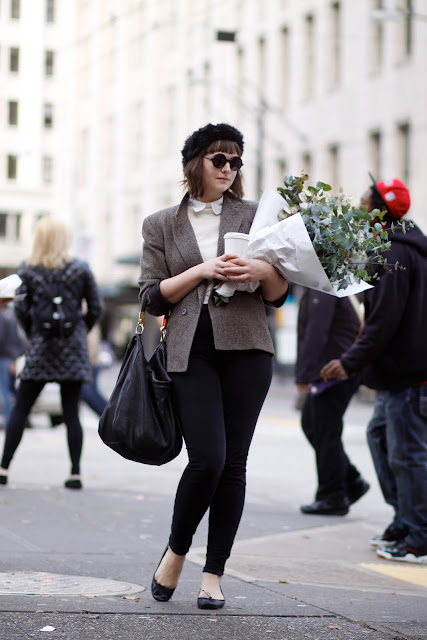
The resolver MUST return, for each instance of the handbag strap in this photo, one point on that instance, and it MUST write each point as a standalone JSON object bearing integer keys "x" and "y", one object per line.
{"x": 141, "y": 319}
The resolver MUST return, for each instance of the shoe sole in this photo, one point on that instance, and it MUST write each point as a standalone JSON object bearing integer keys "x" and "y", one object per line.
{"x": 410, "y": 557}
{"x": 382, "y": 543}
{"x": 326, "y": 513}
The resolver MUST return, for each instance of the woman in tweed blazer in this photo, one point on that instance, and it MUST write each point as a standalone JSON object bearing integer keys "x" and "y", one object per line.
{"x": 50, "y": 359}
{"x": 219, "y": 357}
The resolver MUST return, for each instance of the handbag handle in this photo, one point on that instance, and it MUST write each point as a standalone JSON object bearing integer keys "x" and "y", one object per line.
{"x": 141, "y": 319}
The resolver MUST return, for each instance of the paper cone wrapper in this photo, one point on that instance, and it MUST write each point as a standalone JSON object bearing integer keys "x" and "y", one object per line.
{"x": 9, "y": 285}
{"x": 287, "y": 246}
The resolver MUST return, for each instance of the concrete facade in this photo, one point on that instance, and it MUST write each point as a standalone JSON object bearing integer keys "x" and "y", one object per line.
{"x": 31, "y": 35}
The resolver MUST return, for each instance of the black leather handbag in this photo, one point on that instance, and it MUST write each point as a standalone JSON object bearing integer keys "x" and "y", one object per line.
{"x": 139, "y": 421}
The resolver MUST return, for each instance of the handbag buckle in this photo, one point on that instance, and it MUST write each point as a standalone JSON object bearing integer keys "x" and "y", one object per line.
{"x": 163, "y": 330}
{"x": 141, "y": 320}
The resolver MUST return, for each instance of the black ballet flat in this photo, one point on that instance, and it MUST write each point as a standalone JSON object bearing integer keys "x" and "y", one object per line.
{"x": 209, "y": 602}
{"x": 158, "y": 591}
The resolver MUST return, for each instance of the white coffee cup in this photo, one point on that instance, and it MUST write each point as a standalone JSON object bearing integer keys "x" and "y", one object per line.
{"x": 236, "y": 243}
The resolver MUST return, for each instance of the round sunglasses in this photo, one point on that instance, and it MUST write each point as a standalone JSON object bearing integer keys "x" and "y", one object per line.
{"x": 219, "y": 161}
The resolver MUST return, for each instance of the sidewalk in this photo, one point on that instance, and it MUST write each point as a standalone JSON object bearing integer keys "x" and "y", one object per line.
{"x": 82, "y": 562}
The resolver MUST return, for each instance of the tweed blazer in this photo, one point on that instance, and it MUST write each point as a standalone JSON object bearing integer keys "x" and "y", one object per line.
{"x": 170, "y": 247}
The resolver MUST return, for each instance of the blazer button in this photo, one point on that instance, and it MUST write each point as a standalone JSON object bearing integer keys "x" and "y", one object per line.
{"x": 184, "y": 312}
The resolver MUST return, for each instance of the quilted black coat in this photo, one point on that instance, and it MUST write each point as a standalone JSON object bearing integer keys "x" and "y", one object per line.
{"x": 58, "y": 359}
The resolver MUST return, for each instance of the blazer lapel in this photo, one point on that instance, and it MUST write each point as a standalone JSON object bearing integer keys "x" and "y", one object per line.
{"x": 184, "y": 237}
{"x": 231, "y": 219}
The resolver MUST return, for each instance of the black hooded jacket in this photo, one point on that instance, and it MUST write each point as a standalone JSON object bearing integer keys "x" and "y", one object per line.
{"x": 392, "y": 349}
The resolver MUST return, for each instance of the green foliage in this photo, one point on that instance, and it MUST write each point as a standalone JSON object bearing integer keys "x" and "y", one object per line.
{"x": 342, "y": 235}
{"x": 218, "y": 298}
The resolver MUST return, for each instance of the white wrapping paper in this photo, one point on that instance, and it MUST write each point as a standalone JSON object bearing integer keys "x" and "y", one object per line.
{"x": 287, "y": 246}
{"x": 9, "y": 285}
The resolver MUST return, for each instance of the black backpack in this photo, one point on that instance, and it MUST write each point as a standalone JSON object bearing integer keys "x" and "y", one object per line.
{"x": 57, "y": 312}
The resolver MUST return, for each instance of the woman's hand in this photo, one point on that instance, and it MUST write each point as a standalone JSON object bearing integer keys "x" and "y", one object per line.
{"x": 273, "y": 285}
{"x": 177, "y": 287}
{"x": 240, "y": 270}
{"x": 216, "y": 269}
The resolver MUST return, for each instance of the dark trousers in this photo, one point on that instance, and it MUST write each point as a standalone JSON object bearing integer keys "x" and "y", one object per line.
{"x": 91, "y": 394}
{"x": 26, "y": 395}
{"x": 322, "y": 423}
{"x": 218, "y": 400}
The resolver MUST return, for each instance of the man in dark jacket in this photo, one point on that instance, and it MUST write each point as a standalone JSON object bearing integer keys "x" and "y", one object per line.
{"x": 327, "y": 325}
{"x": 392, "y": 352}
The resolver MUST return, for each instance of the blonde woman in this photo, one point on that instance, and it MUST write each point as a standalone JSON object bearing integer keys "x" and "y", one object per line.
{"x": 55, "y": 354}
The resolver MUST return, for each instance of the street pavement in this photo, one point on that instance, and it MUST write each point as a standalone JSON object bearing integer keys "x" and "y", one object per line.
{"x": 78, "y": 565}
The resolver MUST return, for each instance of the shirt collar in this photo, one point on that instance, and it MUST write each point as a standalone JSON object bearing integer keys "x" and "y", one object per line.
{"x": 197, "y": 205}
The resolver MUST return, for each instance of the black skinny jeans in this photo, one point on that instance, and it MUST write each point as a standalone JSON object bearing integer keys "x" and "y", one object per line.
{"x": 26, "y": 395}
{"x": 218, "y": 400}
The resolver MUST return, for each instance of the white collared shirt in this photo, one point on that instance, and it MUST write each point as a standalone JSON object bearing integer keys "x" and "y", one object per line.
{"x": 198, "y": 205}
{"x": 205, "y": 219}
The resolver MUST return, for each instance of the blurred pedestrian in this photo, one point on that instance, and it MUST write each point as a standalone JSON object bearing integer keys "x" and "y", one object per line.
{"x": 392, "y": 352}
{"x": 11, "y": 347}
{"x": 91, "y": 394}
{"x": 219, "y": 357}
{"x": 327, "y": 325}
{"x": 53, "y": 287}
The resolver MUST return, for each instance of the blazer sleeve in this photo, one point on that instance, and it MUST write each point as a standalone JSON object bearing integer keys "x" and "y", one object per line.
{"x": 153, "y": 267}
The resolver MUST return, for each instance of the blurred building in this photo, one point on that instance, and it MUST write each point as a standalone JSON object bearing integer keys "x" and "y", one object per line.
{"x": 107, "y": 92}
{"x": 32, "y": 33}
{"x": 334, "y": 88}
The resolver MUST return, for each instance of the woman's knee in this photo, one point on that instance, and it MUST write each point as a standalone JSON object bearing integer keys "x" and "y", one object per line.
{"x": 210, "y": 464}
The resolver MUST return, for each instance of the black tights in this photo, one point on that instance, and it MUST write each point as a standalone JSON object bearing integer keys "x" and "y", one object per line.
{"x": 26, "y": 395}
{"x": 218, "y": 400}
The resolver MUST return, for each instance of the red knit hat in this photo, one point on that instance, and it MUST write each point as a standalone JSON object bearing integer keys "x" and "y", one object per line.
{"x": 395, "y": 196}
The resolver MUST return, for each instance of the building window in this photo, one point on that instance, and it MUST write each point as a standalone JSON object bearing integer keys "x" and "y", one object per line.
{"x": 3, "y": 224}
{"x": 333, "y": 153}
{"x": 48, "y": 115}
{"x": 376, "y": 38}
{"x": 404, "y": 40}
{"x": 13, "y": 113}
{"x": 408, "y": 27}
{"x": 49, "y": 63}
{"x": 17, "y": 225}
{"x": 15, "y": 9}
{"x": 261, "y": 66}
{"x": 47, "y": 169}
{"x": 50, "y": 10}
{"x": 403, "y": 151}
{"x": 14, "y": 59}
{"x": 306, "y": 163}
{"x": 375, "y": 153}
{"x": 282, "y": 170}
{"x": 10, "y": 225}
{"x": 12, "y": 167}
{"x": 335, "y": 75}
{"x": 285, "y": 66}
{"x": 309, "y": 57}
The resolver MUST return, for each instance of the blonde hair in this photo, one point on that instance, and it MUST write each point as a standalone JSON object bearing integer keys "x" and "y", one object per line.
{"x": 51, "y": 243}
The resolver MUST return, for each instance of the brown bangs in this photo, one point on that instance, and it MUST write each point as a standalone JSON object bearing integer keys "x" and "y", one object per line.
{"x": 226, "y": 146}
{"x": 193, "y": 172}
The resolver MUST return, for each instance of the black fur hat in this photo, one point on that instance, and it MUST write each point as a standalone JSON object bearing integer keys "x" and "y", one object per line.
{"x": 202, "y": 138}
